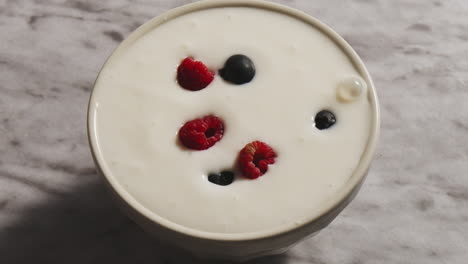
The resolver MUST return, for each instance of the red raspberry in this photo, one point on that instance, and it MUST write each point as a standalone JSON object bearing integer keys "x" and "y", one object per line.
{"x": 193, "y": 75}
{"x": 254, "y": 159}
{"x": 201, "y": 133}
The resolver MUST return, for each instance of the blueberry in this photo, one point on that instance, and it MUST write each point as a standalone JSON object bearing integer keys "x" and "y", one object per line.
{"x": 324, "y": 119}
{"x": 224, "y": 178}
{"x": 238, "y": 69}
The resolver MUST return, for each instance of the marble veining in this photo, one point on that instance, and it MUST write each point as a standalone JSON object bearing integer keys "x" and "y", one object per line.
{"x": 412, "y": 208}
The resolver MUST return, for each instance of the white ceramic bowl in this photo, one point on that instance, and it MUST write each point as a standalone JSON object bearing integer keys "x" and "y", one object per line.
{"x": 238, "y": 246}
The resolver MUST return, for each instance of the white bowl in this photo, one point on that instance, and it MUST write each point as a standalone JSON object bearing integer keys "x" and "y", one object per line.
{"x": 238, "y": 246}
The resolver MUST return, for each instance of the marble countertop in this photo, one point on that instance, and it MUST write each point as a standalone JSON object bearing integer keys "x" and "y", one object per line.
{"x": 412, "y": 209}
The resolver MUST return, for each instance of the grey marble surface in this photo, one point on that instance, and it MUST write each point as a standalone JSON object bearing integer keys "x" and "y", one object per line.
{"x": 412, "y": 209}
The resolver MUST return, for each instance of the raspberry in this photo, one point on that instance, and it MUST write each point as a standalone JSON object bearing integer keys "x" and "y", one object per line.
{"x": 254, "y": 159}
{"x": 201, "y": 133}
{"x": 193, "y": 75}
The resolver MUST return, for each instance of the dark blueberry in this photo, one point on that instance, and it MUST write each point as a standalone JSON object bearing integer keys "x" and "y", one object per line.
{"x": 238, "y": 69}
{"x": 324, "y": 119}
{"x": 224, "y": 178}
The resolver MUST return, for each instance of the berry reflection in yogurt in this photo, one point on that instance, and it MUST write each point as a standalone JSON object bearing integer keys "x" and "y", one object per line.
{"x": 280, "y": 88}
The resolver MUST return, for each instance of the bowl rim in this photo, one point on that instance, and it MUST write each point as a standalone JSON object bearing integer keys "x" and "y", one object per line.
{"x": 356, "y": 178}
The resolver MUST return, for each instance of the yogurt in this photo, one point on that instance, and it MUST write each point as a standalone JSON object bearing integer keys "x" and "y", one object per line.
{"x": 140, "y": 107}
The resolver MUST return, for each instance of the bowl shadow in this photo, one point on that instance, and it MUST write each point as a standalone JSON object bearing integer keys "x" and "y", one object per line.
{"x": 85, "y": 226}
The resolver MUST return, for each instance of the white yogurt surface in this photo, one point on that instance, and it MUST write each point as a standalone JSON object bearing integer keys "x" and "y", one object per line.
{"x": 140, "y": 108}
